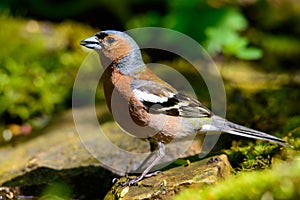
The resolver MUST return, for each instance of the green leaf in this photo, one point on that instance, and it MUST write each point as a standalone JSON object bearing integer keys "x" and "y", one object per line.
{"x": 250, "y": 53}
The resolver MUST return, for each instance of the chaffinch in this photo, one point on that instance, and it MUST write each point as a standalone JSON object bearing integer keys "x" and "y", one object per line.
{"x": 152, "y": 102}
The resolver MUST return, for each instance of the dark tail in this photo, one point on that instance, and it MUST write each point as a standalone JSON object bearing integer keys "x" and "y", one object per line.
{"x": 236, "y": 129}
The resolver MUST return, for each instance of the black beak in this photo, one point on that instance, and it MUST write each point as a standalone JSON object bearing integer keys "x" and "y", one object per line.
{"x": 91, "y": 43}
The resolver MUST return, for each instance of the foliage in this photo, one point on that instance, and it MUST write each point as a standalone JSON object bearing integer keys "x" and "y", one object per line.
{"x": 221, "y": 26}
{"x": 225, "y": 37}
{"x": 38, "y": 66}
{"x": 217, "y": 28}
{"x": 277, "y": 34}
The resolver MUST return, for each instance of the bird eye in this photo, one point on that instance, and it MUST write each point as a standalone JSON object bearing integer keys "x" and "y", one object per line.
{"x": 110, "y": 40}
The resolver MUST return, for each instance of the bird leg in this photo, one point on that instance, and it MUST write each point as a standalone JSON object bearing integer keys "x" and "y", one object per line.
{"x": 149, "y": 157}
{"x": 160, "y": 154}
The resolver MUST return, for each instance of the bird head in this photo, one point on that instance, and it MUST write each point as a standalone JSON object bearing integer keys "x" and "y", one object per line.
{"x": 114, "y": 46}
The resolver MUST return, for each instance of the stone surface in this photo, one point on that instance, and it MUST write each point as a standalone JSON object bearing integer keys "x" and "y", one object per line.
{"x": 168, "y": 183}
{"x": 63, "y": 151}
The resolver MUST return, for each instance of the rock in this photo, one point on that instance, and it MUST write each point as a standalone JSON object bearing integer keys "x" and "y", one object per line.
{"x": 77, "y": 154}
{"x": 167, "y": 183}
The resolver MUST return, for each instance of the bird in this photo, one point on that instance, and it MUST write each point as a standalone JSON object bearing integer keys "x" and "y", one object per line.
{"x": 154, "y": 103}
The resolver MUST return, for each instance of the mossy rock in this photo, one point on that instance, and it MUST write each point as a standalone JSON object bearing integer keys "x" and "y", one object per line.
{"x": 168, "y": 183}
{"x": 280, "y": 182}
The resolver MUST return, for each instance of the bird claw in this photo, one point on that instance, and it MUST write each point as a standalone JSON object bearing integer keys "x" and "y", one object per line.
{"x": 214, "y": 160}
{"x": 133, "y": 181}
{"x": 152, "y": 174}
{"x": 130, "y": 183}
{"x": 115, "y": 180}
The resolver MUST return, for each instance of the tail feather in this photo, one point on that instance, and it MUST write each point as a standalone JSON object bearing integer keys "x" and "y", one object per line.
{"x": 239, "y": 130}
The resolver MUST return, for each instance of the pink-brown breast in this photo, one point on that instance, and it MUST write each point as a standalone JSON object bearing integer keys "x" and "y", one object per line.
{"x": 120, "y": 85}
{"x": 165, "y": 127}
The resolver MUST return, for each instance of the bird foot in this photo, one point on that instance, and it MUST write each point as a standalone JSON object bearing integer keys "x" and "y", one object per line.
{"x": 214, "y": 160}
{"x": 152, "y": 174}
{"x": 133, "y": 181}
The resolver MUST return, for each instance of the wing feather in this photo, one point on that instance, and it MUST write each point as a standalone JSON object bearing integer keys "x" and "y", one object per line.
{"x": 161, "y": 100}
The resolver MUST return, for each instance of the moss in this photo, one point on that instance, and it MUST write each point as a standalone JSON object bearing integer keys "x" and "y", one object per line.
{"x": 38, "y": 66}
{"x": 280, "y": 182}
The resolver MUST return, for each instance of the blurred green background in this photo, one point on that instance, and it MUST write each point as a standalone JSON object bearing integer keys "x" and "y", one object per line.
{"x": 255, "y": 43}
{"x": 40, "y": 52}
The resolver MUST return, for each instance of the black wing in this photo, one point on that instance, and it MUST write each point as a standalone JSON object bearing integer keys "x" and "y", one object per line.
{"x": 165, "y": 100}
{"x": 179, "y": 105}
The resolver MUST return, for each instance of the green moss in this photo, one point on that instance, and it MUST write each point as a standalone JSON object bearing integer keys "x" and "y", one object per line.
{"x": 249, "y": 157}
{"x": 38, "y": 63}
{"x": 281, "y": 182}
